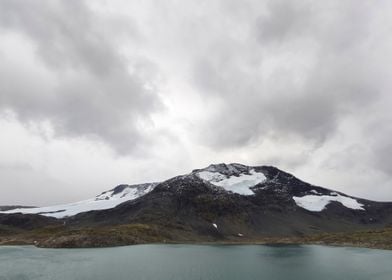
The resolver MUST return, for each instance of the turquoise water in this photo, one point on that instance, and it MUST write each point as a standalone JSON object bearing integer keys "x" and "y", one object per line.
{"x": 191, "y": 262}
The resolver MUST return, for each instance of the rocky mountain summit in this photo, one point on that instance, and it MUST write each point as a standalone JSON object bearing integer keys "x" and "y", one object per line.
{"x": 219, "y": 203}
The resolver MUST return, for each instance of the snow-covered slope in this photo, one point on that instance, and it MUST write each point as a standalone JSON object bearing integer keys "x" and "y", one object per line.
{"x": 233, "y": 177}
{"x": 106, "y": 200}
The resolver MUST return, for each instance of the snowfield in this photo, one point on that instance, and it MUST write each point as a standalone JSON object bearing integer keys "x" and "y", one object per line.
{"x": 103, "y": 201}
{"x": 317, "y": 203}
{"x": 237, "y": 184}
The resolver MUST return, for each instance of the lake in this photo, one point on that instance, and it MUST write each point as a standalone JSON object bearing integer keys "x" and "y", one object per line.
{"x": 190, "y": 262}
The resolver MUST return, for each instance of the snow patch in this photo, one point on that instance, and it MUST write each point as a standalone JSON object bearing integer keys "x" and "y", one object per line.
{"x": 238, "y": 184}
{"x": 103, "y": 201}
{"x": 318, "y": 203}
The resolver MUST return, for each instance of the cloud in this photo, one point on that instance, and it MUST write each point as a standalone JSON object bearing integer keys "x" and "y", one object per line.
{"x": 293, "y": 72}
{"x": 176, "y": 85}
{"x": 88, "y": 87}
{"x": 284, "y": 20}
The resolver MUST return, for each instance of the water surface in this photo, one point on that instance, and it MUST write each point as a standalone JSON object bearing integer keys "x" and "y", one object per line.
{"x": 191, "y": 262}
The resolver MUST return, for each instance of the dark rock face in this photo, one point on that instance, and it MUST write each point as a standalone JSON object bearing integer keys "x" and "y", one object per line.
{"x": 26, "y": 221}
{"x": 187, "y": 208}
{"x": 140, "y": 189}
{"x": 120, "y": 188}
{"x": 232, "y": 169}
{"x": 11, "y": 207}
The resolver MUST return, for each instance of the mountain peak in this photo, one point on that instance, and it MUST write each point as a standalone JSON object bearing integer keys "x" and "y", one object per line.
{"x": 271, "y": 173}
{"x": 226, "y": 169}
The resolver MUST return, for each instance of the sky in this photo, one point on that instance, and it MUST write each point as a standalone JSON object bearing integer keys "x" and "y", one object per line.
{"x": 98, "y": 93}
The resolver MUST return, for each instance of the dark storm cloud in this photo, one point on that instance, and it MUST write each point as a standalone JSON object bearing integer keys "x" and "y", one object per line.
{"x": 327, "y": 69}
{"x": 90, "y": 90}
{"x": 65, "y": 32}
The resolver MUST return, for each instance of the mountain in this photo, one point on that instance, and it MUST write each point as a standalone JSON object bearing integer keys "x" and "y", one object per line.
{"x": 219, "y": 203}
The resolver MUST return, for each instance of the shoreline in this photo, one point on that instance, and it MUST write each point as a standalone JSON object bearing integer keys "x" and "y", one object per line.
{"x": 212, "y": 243}
{"x": 134, "y": 234}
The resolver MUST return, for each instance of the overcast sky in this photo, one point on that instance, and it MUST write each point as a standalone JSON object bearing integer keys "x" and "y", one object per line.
{"x": 98, "y": 93}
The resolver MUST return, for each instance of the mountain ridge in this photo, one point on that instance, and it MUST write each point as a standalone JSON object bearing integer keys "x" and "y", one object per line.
{"x": 221, "y": 202}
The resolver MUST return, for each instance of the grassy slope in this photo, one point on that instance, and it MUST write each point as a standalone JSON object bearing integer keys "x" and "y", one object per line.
{"x": 378, "y": 238}
{"x": 59, "y": 236}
